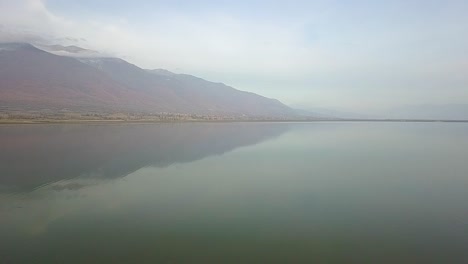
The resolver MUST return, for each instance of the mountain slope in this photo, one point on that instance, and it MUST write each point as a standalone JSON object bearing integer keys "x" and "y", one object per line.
{"x": 219, "y": 97}
{"x": 188, "y": 94}
{"x": 33, "y": 79}
{"x": 140, "y": 81}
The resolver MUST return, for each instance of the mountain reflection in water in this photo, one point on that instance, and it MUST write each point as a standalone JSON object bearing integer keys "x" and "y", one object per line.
{"x": 34, "y": 155}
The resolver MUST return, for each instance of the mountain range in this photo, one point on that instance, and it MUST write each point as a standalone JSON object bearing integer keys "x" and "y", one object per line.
{"x": 51, "y": 78}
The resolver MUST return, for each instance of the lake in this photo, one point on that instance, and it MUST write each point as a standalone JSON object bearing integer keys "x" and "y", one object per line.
{"x": 320, "y": 192}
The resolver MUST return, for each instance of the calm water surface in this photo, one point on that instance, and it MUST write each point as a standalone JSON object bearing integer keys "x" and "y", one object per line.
{"x": 234, "y": 193}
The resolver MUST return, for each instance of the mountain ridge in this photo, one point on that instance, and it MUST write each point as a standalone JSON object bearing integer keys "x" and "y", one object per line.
{"x": 35, "y": 79}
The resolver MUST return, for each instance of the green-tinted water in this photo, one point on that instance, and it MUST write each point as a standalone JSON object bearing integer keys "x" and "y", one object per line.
{"x": 234, "y": 193}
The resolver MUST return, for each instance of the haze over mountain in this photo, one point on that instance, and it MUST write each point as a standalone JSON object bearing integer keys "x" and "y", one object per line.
{"x": 429, "y": 111}
{"x": 33, "y": 79}
{"x": 364, "y": 57}
{"x": 71, "y": 51}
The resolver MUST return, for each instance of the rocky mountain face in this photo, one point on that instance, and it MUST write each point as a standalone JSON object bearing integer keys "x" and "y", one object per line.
{"x": 34, "y": 79}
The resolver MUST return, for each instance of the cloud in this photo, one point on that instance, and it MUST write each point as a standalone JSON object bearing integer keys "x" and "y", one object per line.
{"x": 357, "y": 56}
{"x": 220, "y": 42}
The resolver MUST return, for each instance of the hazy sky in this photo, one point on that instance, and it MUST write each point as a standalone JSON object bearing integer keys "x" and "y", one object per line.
{"x": 350, "y": 55}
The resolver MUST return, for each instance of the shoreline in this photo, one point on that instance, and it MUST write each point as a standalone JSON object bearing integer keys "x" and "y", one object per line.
{"x": 102, "y": 121}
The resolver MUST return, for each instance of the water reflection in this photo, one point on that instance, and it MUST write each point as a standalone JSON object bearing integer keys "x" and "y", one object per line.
{"x": 35, "y": 155}
{"x": 320, "y": 193}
